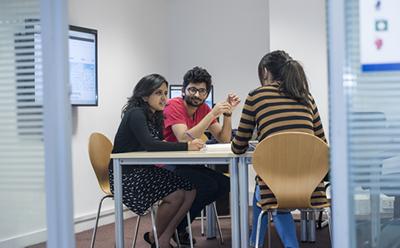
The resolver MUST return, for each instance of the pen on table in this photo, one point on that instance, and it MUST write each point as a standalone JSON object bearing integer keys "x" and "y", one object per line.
{"x": 190, "y": 135}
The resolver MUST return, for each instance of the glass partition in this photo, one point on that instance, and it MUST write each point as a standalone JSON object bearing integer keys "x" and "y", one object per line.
{"x": 22, "y": 177}
{"x": 370, "y": 86}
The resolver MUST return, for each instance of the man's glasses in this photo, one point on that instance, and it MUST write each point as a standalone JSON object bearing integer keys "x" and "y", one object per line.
{"x": 194, "y": 90}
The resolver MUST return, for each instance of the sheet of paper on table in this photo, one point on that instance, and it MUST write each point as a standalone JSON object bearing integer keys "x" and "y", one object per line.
{"x": 226, "y": 147}
{"x": 217, "y": 147}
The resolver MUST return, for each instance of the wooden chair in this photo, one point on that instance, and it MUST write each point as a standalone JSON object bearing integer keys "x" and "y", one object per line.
{"x": 100, "y": 148}
{"x": 292, "y": 164}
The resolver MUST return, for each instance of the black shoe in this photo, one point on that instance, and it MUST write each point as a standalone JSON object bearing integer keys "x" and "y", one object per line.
{"x": 154, "y": 246}
{"x": 146, "y": 237}
{"x": 183, "y": 238}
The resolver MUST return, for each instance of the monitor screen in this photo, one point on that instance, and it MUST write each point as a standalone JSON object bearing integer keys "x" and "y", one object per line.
{"x": 83, "y": 66}
{"x": 176, "y": 90}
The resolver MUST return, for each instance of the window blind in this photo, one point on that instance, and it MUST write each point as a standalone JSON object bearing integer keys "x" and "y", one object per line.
{"x": 21, "y": 115}
{"x": 21, "y": 123}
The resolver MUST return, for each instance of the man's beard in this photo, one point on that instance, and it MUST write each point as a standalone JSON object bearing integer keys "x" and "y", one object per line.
{"x": 193, "y": 101}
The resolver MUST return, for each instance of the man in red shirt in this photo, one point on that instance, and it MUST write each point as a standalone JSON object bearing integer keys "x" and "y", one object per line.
{"x": 187, "y": 118}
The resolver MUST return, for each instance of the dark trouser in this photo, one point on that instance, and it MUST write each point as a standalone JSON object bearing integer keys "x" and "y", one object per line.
{"x": 209, "y": 184}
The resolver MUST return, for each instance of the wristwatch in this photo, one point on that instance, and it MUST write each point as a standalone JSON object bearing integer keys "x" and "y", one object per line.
{"x": 227, "y": 114}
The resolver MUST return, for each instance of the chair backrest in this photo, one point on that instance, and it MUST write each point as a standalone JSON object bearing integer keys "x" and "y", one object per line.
{"x": 100, "y": 148}
{"x": 292, "y": 164}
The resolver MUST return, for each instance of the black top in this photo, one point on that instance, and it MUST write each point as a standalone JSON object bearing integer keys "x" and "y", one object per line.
{"x": 138, "y": 131}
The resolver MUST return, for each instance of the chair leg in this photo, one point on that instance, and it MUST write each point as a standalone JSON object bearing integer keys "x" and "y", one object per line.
{"x": 202, "y": 222}
{"x": 97, "y": 220}
{"x": 328, "y": 210}
{"x": 325, "y": 222}
{"x": 136, "y": 231}
{"x": 269, "y": 229}
{"x": 153, "y": 223}
{"x": 218, "y": 224}
{"x": 311, "y": 226}
{"x": 177, "y": 238}
{"x": 319, "y": 221}
{"x": 190, "y": 229}
{"x": 258, "y": 227}
{"x": 303, "y": 226}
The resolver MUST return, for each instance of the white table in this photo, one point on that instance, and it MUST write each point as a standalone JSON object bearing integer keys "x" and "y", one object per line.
{"x": 238, "y": 183}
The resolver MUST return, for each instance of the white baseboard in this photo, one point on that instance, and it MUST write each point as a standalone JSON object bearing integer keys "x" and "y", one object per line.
{"x": 23, "y": 240}
{"x": 81, "y": 223}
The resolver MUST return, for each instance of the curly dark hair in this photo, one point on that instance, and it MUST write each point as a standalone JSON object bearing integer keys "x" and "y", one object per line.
{"x": 197, "y": 75}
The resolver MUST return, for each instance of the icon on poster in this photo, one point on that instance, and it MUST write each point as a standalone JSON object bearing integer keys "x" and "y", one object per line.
{"x": 378, "y": 5}
{"x": 381, "y": 25}
{"x": 379, "y": 37}
{"x": 378, "y": 43}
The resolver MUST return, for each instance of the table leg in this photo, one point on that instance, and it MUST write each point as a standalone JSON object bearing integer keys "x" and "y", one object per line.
{"x": 210, "y": 217}
{"x": 119, "y": 229}
{"x": 396, "y": 207}
{"x": 244, "y": 202}
{"x": 211, "y": 220}
{"x": 375, "y": 199}
{"x": 235, "y": 226}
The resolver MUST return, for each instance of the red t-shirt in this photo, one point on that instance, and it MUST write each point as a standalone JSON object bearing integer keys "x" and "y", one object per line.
{"x": 175, "y": 113}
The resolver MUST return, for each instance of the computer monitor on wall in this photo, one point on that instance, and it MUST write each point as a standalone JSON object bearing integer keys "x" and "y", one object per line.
{"x": 176, "y": 90}
{"x": 83, "y": 66}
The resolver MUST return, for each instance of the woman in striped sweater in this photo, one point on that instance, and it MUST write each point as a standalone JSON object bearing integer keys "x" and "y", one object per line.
{"x": 282, "y": 103}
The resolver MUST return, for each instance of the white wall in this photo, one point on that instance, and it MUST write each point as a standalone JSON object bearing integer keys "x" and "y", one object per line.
{"x": 131, "y": 38}
{"x": 299, "y": 28}
{"x": 226, "y": 37}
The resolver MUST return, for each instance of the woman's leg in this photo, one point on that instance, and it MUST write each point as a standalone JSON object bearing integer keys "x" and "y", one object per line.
{"x": 286, "y": 229}
{"x": 165, "y": 213}
{"x": 179, "y": 214}
{"x": 206, "y": 190}
{"x": 264, "y": 225}
{"x": 283, "y": 222}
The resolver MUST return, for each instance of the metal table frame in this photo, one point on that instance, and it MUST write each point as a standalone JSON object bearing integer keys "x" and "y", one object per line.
{"x": 238, "y": 167}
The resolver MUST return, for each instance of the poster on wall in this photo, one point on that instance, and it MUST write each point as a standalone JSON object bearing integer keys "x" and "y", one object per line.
{"x": 379, "y": 35}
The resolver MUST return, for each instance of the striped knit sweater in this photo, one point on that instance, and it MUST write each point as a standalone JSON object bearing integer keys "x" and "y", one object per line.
{"x": 270, "y": 111}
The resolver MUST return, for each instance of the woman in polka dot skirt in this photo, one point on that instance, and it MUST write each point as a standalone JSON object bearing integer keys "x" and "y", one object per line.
{"x": 142, "y": 186}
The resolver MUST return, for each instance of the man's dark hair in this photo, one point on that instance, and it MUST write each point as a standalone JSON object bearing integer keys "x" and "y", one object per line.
{"x": 197, "y": 75}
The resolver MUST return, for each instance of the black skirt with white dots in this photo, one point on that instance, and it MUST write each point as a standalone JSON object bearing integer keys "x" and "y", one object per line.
{"x": 143, "y": 186}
